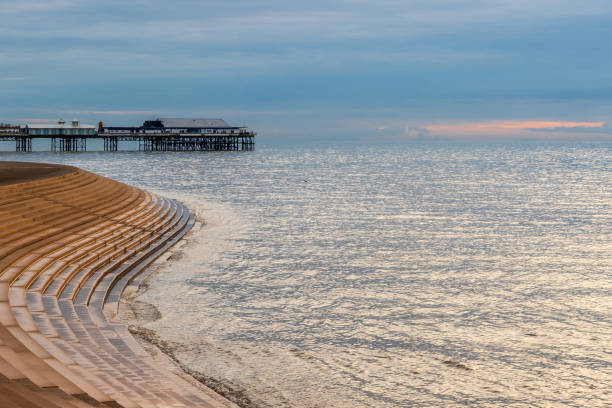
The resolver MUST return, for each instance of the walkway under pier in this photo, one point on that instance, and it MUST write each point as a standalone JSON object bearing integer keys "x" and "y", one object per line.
{"x": 196, "y": 143}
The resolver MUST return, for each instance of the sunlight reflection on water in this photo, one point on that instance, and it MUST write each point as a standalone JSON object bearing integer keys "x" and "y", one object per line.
{"x": 418, "y": 275}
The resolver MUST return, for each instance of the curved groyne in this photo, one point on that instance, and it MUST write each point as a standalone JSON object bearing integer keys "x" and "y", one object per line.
{"x": 70, "y": 242}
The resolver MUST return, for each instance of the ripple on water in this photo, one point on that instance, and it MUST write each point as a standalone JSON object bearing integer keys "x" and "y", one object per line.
{"x": 416, "y": 275}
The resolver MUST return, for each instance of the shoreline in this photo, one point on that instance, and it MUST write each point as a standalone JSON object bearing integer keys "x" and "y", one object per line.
{"x": 136, "y": 314}
{"x": 72, "y": 243}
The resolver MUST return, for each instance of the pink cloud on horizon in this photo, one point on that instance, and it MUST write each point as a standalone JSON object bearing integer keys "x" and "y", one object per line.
{"x": 496, "y": 126}
{"x": 519, "y": 128}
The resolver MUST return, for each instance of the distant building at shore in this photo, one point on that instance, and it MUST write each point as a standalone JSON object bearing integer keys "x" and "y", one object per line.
{"x": 8, "y": 128}
{"x": 61, "y": 129}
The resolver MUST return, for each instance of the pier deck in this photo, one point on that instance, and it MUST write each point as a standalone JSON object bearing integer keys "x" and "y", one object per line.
{"x": 244, "y": 141}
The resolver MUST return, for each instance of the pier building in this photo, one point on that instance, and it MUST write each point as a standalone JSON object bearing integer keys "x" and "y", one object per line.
{"x": 61, "y": 128}
{"x": 64, "y": 137}
{"x": 192, "y": 126}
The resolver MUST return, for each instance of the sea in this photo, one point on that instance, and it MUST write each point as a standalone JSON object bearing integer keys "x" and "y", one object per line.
{"x": 417, "y": 274}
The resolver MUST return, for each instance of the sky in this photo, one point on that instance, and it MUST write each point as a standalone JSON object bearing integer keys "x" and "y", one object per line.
{"x": 344, "y": 70}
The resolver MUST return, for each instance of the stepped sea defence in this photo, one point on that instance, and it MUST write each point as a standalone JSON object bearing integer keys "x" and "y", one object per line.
{"x": 70, "y": 242}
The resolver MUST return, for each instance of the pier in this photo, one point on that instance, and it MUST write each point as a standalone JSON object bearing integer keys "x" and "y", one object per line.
{"x": 169, "y": 135}
{"x": 166, "y": 142}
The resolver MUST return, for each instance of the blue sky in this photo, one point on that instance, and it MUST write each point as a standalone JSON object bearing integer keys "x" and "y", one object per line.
{"x": 372, "y": 70}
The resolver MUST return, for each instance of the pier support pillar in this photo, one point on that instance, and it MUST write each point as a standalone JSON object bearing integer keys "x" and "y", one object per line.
{"x": 23, "y": 144}
{"x": 69, "y": 144}
{"x": 111, "y": 143}
{"x": 174, "y": 143}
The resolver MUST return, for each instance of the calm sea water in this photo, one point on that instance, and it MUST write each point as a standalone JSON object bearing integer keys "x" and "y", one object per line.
{"x": 418, "y": 275}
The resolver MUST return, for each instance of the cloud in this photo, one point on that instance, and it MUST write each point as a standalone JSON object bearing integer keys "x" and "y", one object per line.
{"x": 36, "y": 120}
{"x": 20, "y": 7}
{"x": 548, "y": 125}
{"x": 459, "y": 62}
{"x": 415, "y": 132}
{"x": 241, "y": 22}
{"x": 519, "y": 128}
{"x": 122, "y": 112}
{"x": 573, "y": 129}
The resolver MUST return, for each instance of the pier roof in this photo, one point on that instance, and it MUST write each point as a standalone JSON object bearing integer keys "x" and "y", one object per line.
{"x": 61, "y": 124}
{"x": 58, "y": 126}
{"x": 193, "y": 123}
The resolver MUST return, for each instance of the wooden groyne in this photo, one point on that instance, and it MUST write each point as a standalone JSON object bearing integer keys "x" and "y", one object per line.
{"x": 70, "y": 242}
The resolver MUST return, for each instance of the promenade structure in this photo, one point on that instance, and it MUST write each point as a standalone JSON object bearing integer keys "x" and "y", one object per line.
{"x": 163, "y": 134}
{"x": 70, "y": 243}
